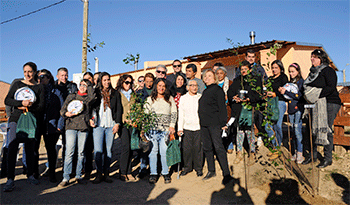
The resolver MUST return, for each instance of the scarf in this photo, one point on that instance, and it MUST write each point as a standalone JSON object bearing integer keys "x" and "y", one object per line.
{"x": 320, "y": 127}
{"x": 106, "y": 95}
{"x": 225, "y": 84}
{"x": 127, "y": 94}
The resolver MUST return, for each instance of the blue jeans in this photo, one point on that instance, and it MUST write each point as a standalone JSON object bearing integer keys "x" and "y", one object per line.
{"x": 296, "y": 123}
{"x": 103, "y": 135}
{"x": 278, "y": 126}
{"x": 74, "y": 138}
{"x": 157, "y": 139}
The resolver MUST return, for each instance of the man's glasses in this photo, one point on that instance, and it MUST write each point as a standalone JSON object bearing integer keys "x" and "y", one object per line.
{"x": 128, "y": 82}
{"x": 179, "y": 66}
{"x": 162, "y": 72}
{"x": 193, "y": 85}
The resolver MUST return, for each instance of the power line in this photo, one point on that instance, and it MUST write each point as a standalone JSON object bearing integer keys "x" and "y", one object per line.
{"x": 32, "y": 12}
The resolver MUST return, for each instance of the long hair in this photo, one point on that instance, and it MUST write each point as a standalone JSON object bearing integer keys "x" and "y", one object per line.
{"x": 297, "y": 68}
{"x": 99, "y": 84}
{"x": 49, "y": 75}
{"x": 122, "y": 79}
{"x": 279, "y": 64}
{"x": 154, "y": 93}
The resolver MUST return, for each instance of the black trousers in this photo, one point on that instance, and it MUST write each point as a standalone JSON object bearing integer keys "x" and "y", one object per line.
{"x": 258, "y": 120}
{"x": 212, "y": 140}
{"x": 12, "y": 157}
{"x": 50, "y": 145}
{"x": 332, "y": 110}
{"x": 36, "y": 153}
{"x": 192, "y": 151}
{"x": 126, "y": 153}
{"x": 89, "y": 151}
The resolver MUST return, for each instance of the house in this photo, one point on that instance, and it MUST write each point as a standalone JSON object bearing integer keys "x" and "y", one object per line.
{"x": 289, "y": 52}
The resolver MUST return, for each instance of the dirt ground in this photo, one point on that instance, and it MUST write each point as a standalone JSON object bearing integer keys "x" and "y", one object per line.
{"x": 265, "y": 184}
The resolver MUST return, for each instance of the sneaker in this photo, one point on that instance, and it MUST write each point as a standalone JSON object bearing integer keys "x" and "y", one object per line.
{"x": 299, "y": 157}
{"x": 9, "y": 186}
{"x": 229, "y": 151}
{"x": 63, "y": 183}
{"x": 167, "y": 179}
{"x": 294, "y": 157}
{"x": 32, "y": 180}
{"x": 153, "y": 179}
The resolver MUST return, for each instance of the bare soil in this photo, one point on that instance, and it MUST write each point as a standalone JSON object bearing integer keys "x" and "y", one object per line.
{"x": 265, "y": 184}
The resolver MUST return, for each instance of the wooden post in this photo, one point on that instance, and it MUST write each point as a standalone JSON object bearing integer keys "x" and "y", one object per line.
{"x": 85, "y": 34}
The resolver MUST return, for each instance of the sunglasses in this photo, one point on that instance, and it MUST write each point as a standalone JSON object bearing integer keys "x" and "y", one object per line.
{"x": 162, "y": 72}
{"x": 128, "y": 82}
{"x": 141, "y": 81}
{"x": 177, "y": 66}
{"x": 83, "y": 85}
{"x": 42, "y": 76}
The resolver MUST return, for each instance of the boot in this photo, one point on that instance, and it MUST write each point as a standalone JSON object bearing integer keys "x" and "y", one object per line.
{"x": 99, "y": 178}
{"x": 106, "y": 177}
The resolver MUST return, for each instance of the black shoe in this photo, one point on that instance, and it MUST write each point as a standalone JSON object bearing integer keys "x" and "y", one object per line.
{"x": 153, "y": 179}
{"x": 324, "y": 164}
{"x": 142, "y": 174}
{"x": 167, "y": 179}
{"x": 209, "y": 175}
{"x": 53, "y": 180}
{"x": 82, "y": 181}
{"x": 184, "y": 173}
{"x": 25, "y": 170}
{"x": 308, "y": 160}
{"x": 199, "y": 174}
{"x": 227, "y": 179}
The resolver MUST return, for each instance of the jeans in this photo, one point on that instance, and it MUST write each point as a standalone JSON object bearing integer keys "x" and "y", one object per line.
{"x": 296, "y": 123}
{"x": 157, "y": 139}
{"x": 103, "y": 136}
{"x": 278, "y": 126}
{"x": 74, "y": 138}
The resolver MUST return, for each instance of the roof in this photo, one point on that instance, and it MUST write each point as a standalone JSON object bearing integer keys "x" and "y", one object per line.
{"x": 345, "y": 84}
{"x": 242, "y": 49}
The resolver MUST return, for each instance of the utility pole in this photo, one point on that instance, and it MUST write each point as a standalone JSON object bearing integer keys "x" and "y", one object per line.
{"x": 85, "y": 34}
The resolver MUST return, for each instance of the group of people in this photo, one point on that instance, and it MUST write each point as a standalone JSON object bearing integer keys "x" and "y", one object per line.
{"x": 197, "y": 111}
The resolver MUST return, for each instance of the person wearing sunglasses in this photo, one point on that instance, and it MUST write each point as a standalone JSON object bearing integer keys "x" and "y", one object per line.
{"x": 53, "y": 122}
{"x": 161, "y": 71}
{"x": 106, "y": 120}
{"x": 177, "y": 66}
{"x": 140, "y": 83}
{"x": 76, "y": 130}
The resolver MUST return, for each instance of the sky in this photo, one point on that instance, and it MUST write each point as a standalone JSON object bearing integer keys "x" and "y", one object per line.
{"x": 161, "y": 30}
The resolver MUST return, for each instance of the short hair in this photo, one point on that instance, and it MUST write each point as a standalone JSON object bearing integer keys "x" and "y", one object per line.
{"x": 32, "y": 65}
{"x": 193, "y": 66}
{"x": 215, "y": 76}
{"x": 176, "y": 60}
{"x": 245, "y": 63}
{"x": 150, "y": 75}
{"x": 249, "y": 51}
{"x": 62, "y": 69}
{"x": 279, "y": 64}
{"x": 322, "y": 55}
{"x": 161, "y": 66}
{"x": 218, "y": 64}
{"x": 88, "y": 73}
{"x": 221, "y": 68}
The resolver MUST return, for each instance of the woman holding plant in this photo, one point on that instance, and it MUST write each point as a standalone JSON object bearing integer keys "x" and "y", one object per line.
{"x": 106, "y": 120}
{"x": 279, "y": 79}
{"x": 243, "y": 97}
{"x": 162, "y": 104}
{"x": 124, "y": 86}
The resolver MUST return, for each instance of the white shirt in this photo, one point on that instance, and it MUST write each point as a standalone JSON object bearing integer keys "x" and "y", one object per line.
{"x": 188, "y": 112}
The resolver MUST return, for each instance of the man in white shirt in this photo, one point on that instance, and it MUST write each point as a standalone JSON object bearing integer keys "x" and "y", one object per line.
{"x": 189, "y": 129}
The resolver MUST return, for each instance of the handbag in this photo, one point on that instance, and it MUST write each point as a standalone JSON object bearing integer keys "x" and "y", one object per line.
{"x": 274, "y": 108}
{"x": 137, "y": 142}
{"x": 26, "y": 127}
{"x": 245, "y": 119}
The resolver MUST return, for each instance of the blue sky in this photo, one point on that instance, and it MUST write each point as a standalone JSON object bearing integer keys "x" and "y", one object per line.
{"x": 161, "y": 30}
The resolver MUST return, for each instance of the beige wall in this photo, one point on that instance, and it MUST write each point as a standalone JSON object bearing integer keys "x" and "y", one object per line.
{"x": 3, "y": 92}
{"x": 265, "y": 60}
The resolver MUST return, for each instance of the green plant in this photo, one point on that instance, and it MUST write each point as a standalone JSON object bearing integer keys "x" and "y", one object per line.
{"x": 131, "y": 59}
{"x": 92, "y": 48}
{"x": 138, "y": 117}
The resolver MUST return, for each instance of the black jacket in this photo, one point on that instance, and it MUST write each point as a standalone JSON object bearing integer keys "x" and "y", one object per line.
{"x": 52, "y": 117}
{"x": 116, "y": 105}
{"x": 66, "y": 89}
{"x": 278, "y": 82}
{"x": 212, "y": 107}
{"x": 234, "y": 89}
